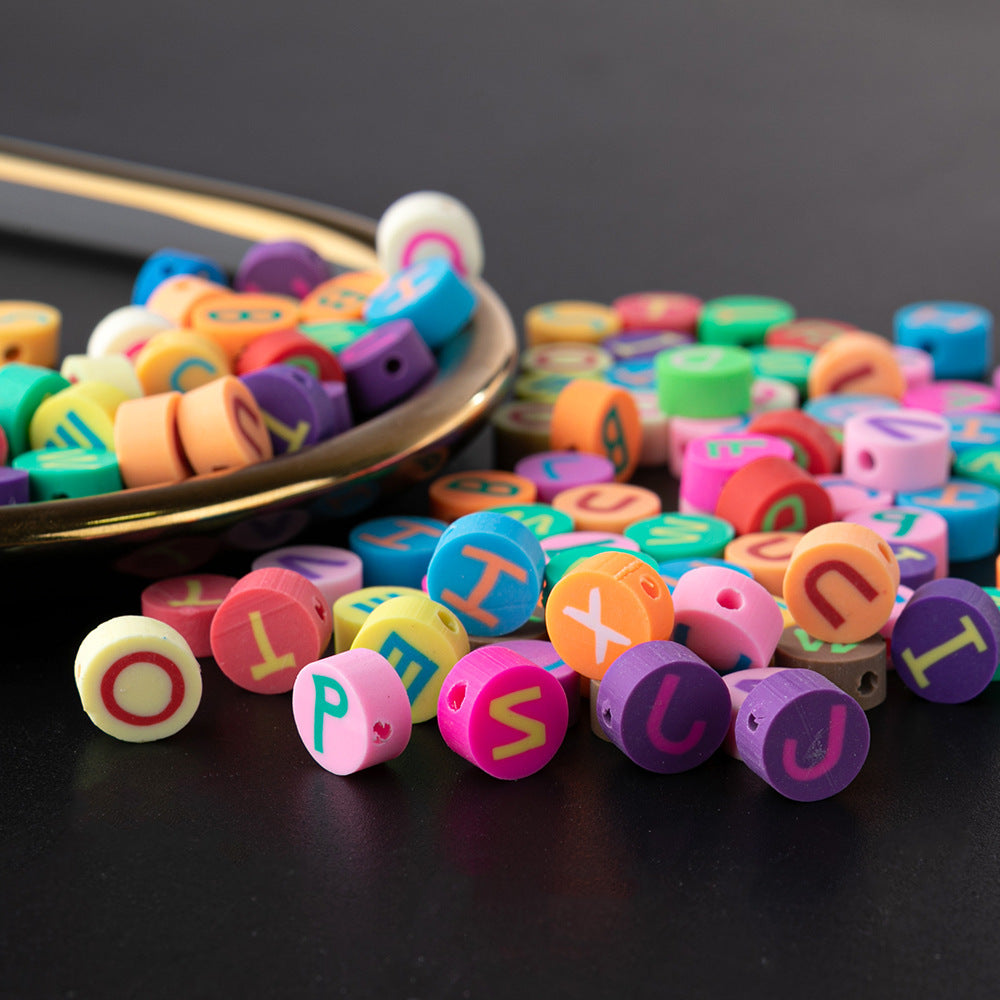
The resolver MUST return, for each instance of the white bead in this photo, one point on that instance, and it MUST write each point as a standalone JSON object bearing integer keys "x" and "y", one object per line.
{"x": 123, "y": 329}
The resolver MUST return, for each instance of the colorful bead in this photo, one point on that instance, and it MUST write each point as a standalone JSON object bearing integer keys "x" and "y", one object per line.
{"x": 856, "y": 363}
{"x": 804, "y": 736}
{"x": 555, "y": 471}
{"x": 805, "y": 334}
{"x": 704, "y": 381}
{"x": 351, "y": 711}
{"x": 168, "y": 262}
{"x": 710, "y": 462}
{"x": 579, "y": 322}
{"x": 297, "y": 410}
{"x": 788, "y": 366}
{"x": 124, "y": 330}
{"x": 655, "y": 448}
{"x": 916, "y": 566}
{"x": 956, "y": 334}
{"x": 972, "y": 430}
{"x": 926, "y": 529}
{"x": 146, "y": 442}
{"x": 543, "y": 653}
{"x": 281, "y": 267}
{"x": 658, "y": 311}
{"x": 916, "y": 365}
{"x": 740, "y": 683}
{"x": 270, "y": 625}
{"x": 663, "y": 707}
{"x": 58, "y": 473}
{"x": 972, "y": 511}
{"x": 138, "y": 679}
{"x": 849, "y": 497}
{"x": 179, "y": 360}
{"x": 767, "y": 394}
{"x": 766, "y": 555}
{"x": 681, "y": 536}
{"x": 23, "y": 388}
{"x": 293, "y": 348}
{"x": 341, "y": 298}
{"x": 188, "y": 604}
{"x": 674, "y": 569}
{"x": 607, "y": 506}
{"x": 946, "y": 643}
{"x": 351, "y": 611}
{"x": 638, "y": 343}
{"x": 175, "y": 299}
{"x": 29, "y": 333}
{"x": 684, "y": 430}
{"x": 115, "y": 369}
{"x": 460, "y": 493}
{"x": 82, "y": 416}
{"x": 566, "y": 358}
{"x": 833, "y": 411}
{"x": 815, "y": 448}
{"x": 235, "y": 319}
{"x": 333, "y": 571}
{"x": 502, "y": 713}
{"x": 540, "y": 519}
{"x": 741, "y": 319}
{"x": 395, "y": 550}
{"x": 953, "y": 396}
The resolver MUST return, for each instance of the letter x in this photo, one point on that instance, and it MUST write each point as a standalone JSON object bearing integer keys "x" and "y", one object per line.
{"x": 603, "y": 634}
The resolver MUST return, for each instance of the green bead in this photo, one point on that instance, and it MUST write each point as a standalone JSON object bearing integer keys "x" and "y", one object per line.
{"x": 562, "y": 561}
{"x": 741, "y": 319}
{"x": 336, "y": 334}
{"x": 666, "y": 537}
{"x": 23, "y": 388}
{"x": 790, "y": 366}
{"x": 539, "y": 518}
{"x": 981, "y": 464}
{"x": 57, "y": 473}
{"x": 704, "y": 381}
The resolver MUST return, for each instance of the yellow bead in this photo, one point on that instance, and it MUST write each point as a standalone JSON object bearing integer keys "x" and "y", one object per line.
{"x": 82, "y": 416}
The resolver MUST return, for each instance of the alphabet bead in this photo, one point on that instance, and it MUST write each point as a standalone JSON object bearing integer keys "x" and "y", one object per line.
{"x": 297, "y": 410}
{"x": 351, "y": 611}
{"x": 856, "y": 363}
{"x": 454, "y": 495}
{"x": 802, "y": 735}
{"x": 340, "y": 298}
{"x": 576, "y": 321}
{"x": 555, "y": 471}
{"x": 57, "y": 473}
{"x": 805, "y": 334}
{"x": 234, "y": 319}
{"x": 351, "y": 711}
{"x": 680, "y": 536}
{"x": 332, "y": 570}
{"x": 849, "y": 497}
{"x": 704, "y": 380}
{"x": 137, "y": 678}
{"x": 926, "y": 529}
{"x": 179, "y": 360}
{"x": 543, "y": 653}
{"x": 917, "y": 566}
{"x": 395, "y": 550}
{"x": 958, "y": 336}
{"x": 972, "y": 511}
{"x": 740, "y": 683}
{"x": 29, "y": 333}
{"x": 663, "y": 707}
{"x": 168, "y": 262}
{"x": 814, "y": 447}
{"x": 741, "y": 319}
{"x": 766, "y": 555}
{"x": 281, "y": 267}
{"x": 607, "y": 506}
{"x": 953, "y": 395}
{"x": 668, "y": 311}
{"x": 502, "y": 713}
{"x": 124, "y": 330}
{"x": 188, "y": 604}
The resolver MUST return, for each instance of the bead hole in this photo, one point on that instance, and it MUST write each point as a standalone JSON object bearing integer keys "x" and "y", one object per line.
{"x": 886, "y": 552}
{"x": 12, "y": 353}
{"x": 731, "y": 600}
{"x": 320, "y": 609}
{"x": 448, "y": 620}
{"x": 393, "y": 366}
{"x": 607, "y": 716}
{"x": 866, "y": 460}
{"x": 868, "y": 682}
{"x": 651, "y": 586}
{"x": 456, "y": 696}
{"x": 752, "y": 722}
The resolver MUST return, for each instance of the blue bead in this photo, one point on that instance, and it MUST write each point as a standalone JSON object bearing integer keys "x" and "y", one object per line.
{"x": 430, "y": 295}
{"x": 833, "y": 410}
{"x": 487, "y": 568}
{"x": 972, "y": 511}
{"x": 957, "y": 335}
{"x": 396, "y": 551}
{"x": 673, "y": 569}
{"x": 637, "y": 374}
{"x": 972, "y": 430}
{"x": 168, "y": 263}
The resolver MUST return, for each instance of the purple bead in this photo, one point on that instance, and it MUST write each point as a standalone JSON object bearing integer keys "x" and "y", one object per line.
{"x": 343, "y": 419}
{"x": 13, "y": 485}
{"x": 803, "y": 735}
{"x": 386, "y": 365}
{"x": 917, "y": 566}
{"x": 635, "y": 344}
{"x": 544, "y": 654}
{"x": 555, "y": 471}
{"x": 297, "y": 411}
{"x": 281, "y": 267}
{"x": 946, "y": 641}
{"x": 664, "y": 707}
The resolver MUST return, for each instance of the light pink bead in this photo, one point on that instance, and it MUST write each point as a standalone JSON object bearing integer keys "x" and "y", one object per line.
{"x": 849, "y": 497}
{"x": 334, "y": 571}
{"x": 684, "y": 506}
{"x": 917, "y": 526}
{"x": 351, "y": 711}
{"x": 953, "y": 394}
{"x": 898, "y": 451}
{"x": 710, "y": 462}
{"x": 572, "y": 539}
{"x": 684, "y": 430}
{"x": 655, "y": 448}
{"x": 740, "y": 684}
{"x": 916, "y": 365}
{"x": 726, "y": 617}
{"x": 501, "y": 712}
{"x": 903, "y": 594}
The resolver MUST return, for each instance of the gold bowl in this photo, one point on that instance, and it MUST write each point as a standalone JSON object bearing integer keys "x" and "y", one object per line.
{"x": 55, "y": 194}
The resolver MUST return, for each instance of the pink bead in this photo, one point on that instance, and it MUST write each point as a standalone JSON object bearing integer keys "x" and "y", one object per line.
{"x": 916, "y": 365}
{"x": 898, "y": 451}
{"x": 271, "y": 624}
{"x": 953, "y": 394}
{"x": 573, "y": 539}
{"x": 334, "y": 571}
{"x": 903, "y": 594}
{"x": 917, "y": 526}
{"x": 188, "y": 604}
{"x": 849, "y": 497}
{"x": 726, "y": 617}
{"x": 351, "y": 711}
{"x": 740, "y": 684}
{"x": 684, "y": 430}
{"x": 501, "y": 712}
{"x": 710, "y": 462}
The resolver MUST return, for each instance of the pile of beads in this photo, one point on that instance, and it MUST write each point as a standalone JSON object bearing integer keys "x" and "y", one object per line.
{"x": 200, "y": 375}
{"x": 811, "y": 552}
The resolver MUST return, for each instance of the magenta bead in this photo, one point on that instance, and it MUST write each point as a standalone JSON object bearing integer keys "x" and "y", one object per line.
{"x": 543, "y": 653}
{"x": 684, "y": 430}
{"x": 916, "y": 365}
{"x": 710, "y": 462}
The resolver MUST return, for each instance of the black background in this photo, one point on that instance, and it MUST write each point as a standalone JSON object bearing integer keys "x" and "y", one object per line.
{"x": 842, "y": 155}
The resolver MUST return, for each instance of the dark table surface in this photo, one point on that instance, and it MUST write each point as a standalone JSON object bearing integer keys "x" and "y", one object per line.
{"x": 840, "y": 155}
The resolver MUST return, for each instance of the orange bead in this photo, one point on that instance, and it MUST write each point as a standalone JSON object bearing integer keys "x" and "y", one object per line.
{"x": 221, "y": 427}
{"x": 607, "y": 506}
{"x": 29, "y": 333}
{"x": 841, "y": 582}
{"x": 175, "y": 298}
{"x": 179, "y": 360}
{"x": 858, "y": 364}
{"x": 765, "y": 554}
{"x": 602, "y": 607}
{"x": 601, "y": 419}
{"x": 460, "y": 493}
{"x": 234, "y": 319}
{"x": 341, "y": 298}
{"x": 147, "y": 444}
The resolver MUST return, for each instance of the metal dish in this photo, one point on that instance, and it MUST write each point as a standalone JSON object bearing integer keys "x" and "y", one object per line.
{"x": 72, "y": 197}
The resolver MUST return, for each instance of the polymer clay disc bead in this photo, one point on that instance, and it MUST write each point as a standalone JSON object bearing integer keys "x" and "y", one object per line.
{"x": 917, "y": 566}
{"x": 554, "y": 471}
{"x": 124, "y": 330}
{"x": 804, "y": 736}
{"x": 270, "y": 625}
{"x": 138, "y": 679}
{"x": 663, "y": 707}
{"x": 351, "y": 611}
{"x": 292, "y": 348}
{"x": 726, "y": 618}
{"x": 296, "y": 409}
{"x": 953, "y": 395}
{"x": 503, "y": 713}
{"x": 188, "y": 604}
{"x": 351, "y": 711}
{"x": 901, "y": 451}
{"x": 972, "y": 430}
{"x": 672, "y": 311}
{"x": 570, "y": 320}
{"x": 849, "y": 497}
{"x": 740, "y": 683}
{"x": 395, "y": 550}
{"x": 805, "y": 334}
{"x": 773, "y": 494}
{"x": 919, "y": 526}
{"x": 235, "y": 319}
{"x": 632, "y": 344}
{"x": 520, "y": 428}
{"x": 815, "y": 448}
{"x": 341, "y": 298}
{"x": 59, "y": 473}
{"x": 841, "y": 582}
{"x": 957, "y": 335}
{"x": 281, "y": 267}
{"x": 169, "y": 262}
{"x": 542, "y": 520}
{"x": 672, "y": 536}
{"x": 176, "y": 298}
{"x": 459, "y": 493}
{"x": 857, "y": 668}
{"x": 946, "y": 643}
{"x": 972, "y": 511}
{"x": 334, "y": 571}
{"x": 29, "y": 333}
{"x": 684, "y": 430}
{"x": 542, "y": 652}
{"x": 765, "y": 554}
{"x": 856, "y": 363}
{"x": 704, "y": 380}
{"x": 607, "y": 506}
{"x": 916, "y": 365}
{"x": 741, "y": 319}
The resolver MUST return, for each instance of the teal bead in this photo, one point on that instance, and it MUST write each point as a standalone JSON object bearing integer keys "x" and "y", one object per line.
{"x": 542, "y": 520}
{"x": 668, "y": 537}
{"x": 23, "y": 388}
{"x": 58, "y": 473}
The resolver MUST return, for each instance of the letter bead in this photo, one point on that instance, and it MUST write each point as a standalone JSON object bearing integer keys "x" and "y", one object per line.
{"x": 234, "y": 319}
{"x": 554, "y": 471}
{"x": 138, "y": 679}
{"x": 857, "y": 668}
{"x": 270, "y": 625}
{"x": 332, "y": 570}
{"x": 58, "y": 473}
{"x": 81, "y": 416}
{"x": 740, "y": 683}
{"x": 396, "y": 550}
{"x": 663, "y": 707}
{"x": 188, "y": 604}
{"x": 922, "y": 527}
{"x": 841, "y": 582}
{"x": 958, "y": 336}
{"x": 459, "y": 493}
{"x": 340, "y": 299}
{"x": 503, "y": 713}
{"x": 351, "y": 711}
{"x": 29, "y": 333}
{"x": 766, "y": 555}
{"x": 281, "y": 267}
{"x": 351, "y": 611}
{"x": 815, "y": 448}
{"x": 917, "y": 566}
{"x": 672, "y": 536}
{"x": 487, "y": 568}
{"x": 726, "y": 618}
{"x": 849, "y": 497}
{"x": 704, "y": 381}
{"x": 953, "y": 395}
{"x": 124, "y": 330}
{"x": 972, "y": 511}
{"x": 608, "y": 507}
{"x": 167, "y": 263}
{"x": 856, "y": 363}
{"x": 575, "y": 321}
{"x": 543, "y": 653}
{"x": 297, "y": 410}
{"x": 804, "y": 736}
{"x": 293, "y": 348}
{"x": 946, "y": 643}
{"x": 667, "y": 311}
{"x": 175, "y": 298}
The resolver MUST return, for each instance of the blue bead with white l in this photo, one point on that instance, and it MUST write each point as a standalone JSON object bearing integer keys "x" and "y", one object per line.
{"x": 957, "y": 335}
